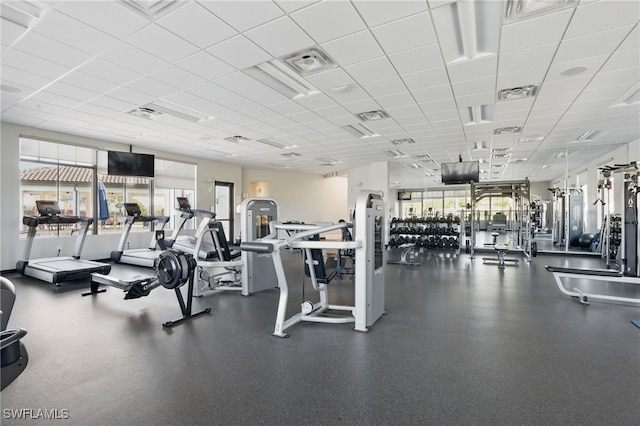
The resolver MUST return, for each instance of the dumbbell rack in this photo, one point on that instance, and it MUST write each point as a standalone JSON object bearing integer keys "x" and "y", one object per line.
{"x": 429, "y": 233}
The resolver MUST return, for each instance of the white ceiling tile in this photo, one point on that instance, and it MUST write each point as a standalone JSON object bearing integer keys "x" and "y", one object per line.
{"x": 362, "y": 106}
{"x": 622, "y": 60}
{"x": 354, "y": 94}
{"x": 239, "y": 52}
{"x": 10, "y": 32}
{"x": 473, "y": 69}
{"x": 592, "y": 45}
{"x": 432, "y": 106}
{"x": 593, "y": 64}
{"x": 477, "y": 99}
{"x": 280, "y": 37}
{"x": 88, "y": 82}
{"x": 55, "y": 99}
{"x": 573, "y": 85}
{"x": 133, "y": 97}
{"x": 287, "y": 107}
{"x": 241, "y": 104}
{"x": 380, "y": 12}
{"x": 396, "y": 100}
{"x": 74, "y": 33}
{"x": 196, "y": 103}
{"x": 404, "y": 111}
{"x": 632, "y": 42}
{"x": 521, "y": 78}
{"x": 134, "y": 59}
{"x": 527, "y": 33}
{"x": 72, "y": 92}
{"x": 524, "y": 59}
{"x": 372, "y": 70}
{"x": 109, "y": 17}
{"x": 50, "y": 49}
{"x": 243, "y": 15}
{"x": 433, "y": 94}
{"x": 406, "y": 33}
{"x": 605, "y": 79}
{"x": 329, "y": 20}
{"x": 177, "y": 77}
{"x": 353, "y": 48}
{"x": 23, "y": 80}
{"x": 472, "y": 87}
{"x": 205, "y": 66}
{"x": 162, "y": 43}
{"x": 602, "y": 16}
{"x": 292, "y": 5}
{"x": 330, "y": 79}
{"x": 108, "y": 71}
{"x": 239, "y": 83}
{"x": 417, "y": 59}
{"x": 387, "y": 86}
{"x": 424, "y": 79}
{"x": 195, "y": 23}
{"x": 266, "y": 96}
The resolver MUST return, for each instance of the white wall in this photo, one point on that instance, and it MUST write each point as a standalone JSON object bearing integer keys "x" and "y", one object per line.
{"x": 96, "y": 246}
{"x": 301, "y": 196}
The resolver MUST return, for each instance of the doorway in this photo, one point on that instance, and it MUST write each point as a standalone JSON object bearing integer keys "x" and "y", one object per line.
{"x": 223, "y": 194}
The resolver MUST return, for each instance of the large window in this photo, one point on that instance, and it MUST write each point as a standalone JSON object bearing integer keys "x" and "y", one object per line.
{"x": 77, "y": 178}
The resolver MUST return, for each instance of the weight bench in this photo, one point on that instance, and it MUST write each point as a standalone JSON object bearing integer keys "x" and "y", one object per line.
{"x": 501, "y": 260}
{"x": 408, "y": 256}
{"x": 608, "y": 275}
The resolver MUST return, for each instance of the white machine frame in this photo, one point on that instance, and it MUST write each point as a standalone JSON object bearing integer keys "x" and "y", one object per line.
{"x": 368, "y": 280}
{"x": 608, "y": 275}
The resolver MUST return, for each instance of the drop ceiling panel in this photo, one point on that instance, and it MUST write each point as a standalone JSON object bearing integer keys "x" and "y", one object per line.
{"x": 472, "y": 87}
{"x": 473, "y": 69}
{"x": 622, "y": 60}
{"x": 524, "y": 59}
{"x": 162, "y": 43}
{"x": 177, "y": 77}
{"x": 354, "y": 48}
{"x": 133, "y": 59}
{"x": 425, "y": 79}
{"x": 593, "y": 64}
{"x": 265, "y": 96}
{"x": 10, "y": 31}
{"x": 592, "y": 45}
{"x": 331, "y": 79}
{"x": 404, "y": 34}
{"x": 74, "y": 33}
{"x": 195, "y": 23}
{"x": 109, "y": 17}
{"x": 375, "y": 12}
{"x": 25, "y": 81}
{"x": 417, "y": 59}
{"x": 525, "y": 34}
{"x": 598, "y": 16}
{"x": 243, "y": 15}
{"x": 51, "y": 50}
{"x": 239, "y": 52}
{"x": 279, "y": 37}
{"x": 521, "y": 78}
{"x": 372, "y": 70}
{"x": 387, "y": 86}
{"x": 342, "y": 16}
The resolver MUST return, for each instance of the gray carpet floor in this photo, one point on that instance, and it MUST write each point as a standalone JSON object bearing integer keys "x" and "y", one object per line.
{"x": 461, "y": 343}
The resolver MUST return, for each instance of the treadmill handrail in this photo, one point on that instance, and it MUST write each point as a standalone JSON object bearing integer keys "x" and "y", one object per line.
{"x": 34, "y": 221}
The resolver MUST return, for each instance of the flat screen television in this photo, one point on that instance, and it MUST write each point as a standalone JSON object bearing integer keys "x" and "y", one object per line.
{"x": 404, "y": 196}
{"x": 460, "y": 172}
{"x": 121, "y": 163}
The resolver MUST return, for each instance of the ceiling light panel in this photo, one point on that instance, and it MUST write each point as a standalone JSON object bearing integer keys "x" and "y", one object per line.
{"x": 516, "y": 10}
{"x": 479, "y": 114}
{"x": 360, "y": 130}
{"x": 468, "y": 29}
{"x": 280, "y": 78}
{"x": 507, "y": 130}
{"x": 403, "y": 141}
{"x": 516, "y": 93}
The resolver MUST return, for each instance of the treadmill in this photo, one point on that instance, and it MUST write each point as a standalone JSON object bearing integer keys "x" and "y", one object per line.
{"x": 186, "y": 243}
{"x": 139, "y": 257}
{"x": 61, "y": 268}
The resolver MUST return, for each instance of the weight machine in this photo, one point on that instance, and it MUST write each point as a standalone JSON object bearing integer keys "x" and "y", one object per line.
{"x": 568, "y": 217}
{"x": 369, "y": 276}
{"x": 520, "y": 220}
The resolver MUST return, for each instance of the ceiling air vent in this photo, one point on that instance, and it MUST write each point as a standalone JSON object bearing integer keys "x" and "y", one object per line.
{"x": 403, "y": 141}
{"x": 516, "y": 93}
{"x": 507, "y": 130}
{"x": 160, "y": 109}
{"x": 236, "y": 139}
{"x": 516, "y": 10}
{"x": 152, "y": 9}
{"x": 291, "y": 155}
{"x": 145, "y": 112}
{"x": 310, "y": 61}
{"x": 372, "y": 115}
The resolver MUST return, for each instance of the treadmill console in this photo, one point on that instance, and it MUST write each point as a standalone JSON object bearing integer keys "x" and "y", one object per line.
{"x": 132, "y": 209}
{"x": 48, "y": 208}
{"x": 184, "y": 205}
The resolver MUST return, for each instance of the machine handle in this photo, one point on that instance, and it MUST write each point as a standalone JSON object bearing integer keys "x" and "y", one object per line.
{"x": 257, "y": 247}
{"x": 16, "y": 334}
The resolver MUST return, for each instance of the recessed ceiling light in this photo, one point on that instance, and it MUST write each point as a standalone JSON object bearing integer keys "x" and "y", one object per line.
{"x": 532, "y": 138}
{"x": 360, "y": 130}
{"x": 480, "y": 146}
{"x": 236, "y": 139}
{"x": 9, "y": 89}
{"x": 516, "y": 93}
{"x": 573, "y": 71}
{"x": 402, "y": 141}
{"x": 561, "y": 154}
{"x": 279, "y": 77}
{"x": 372, "y": 115}
{"x": 275, "y": 144}
{"x": 507, "y": 130}
{"x": 395, "y": 153}
{"x": 478, "y": 114}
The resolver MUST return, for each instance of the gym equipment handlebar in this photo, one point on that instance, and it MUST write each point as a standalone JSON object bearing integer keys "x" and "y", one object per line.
{"x": 256, "y": 247}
